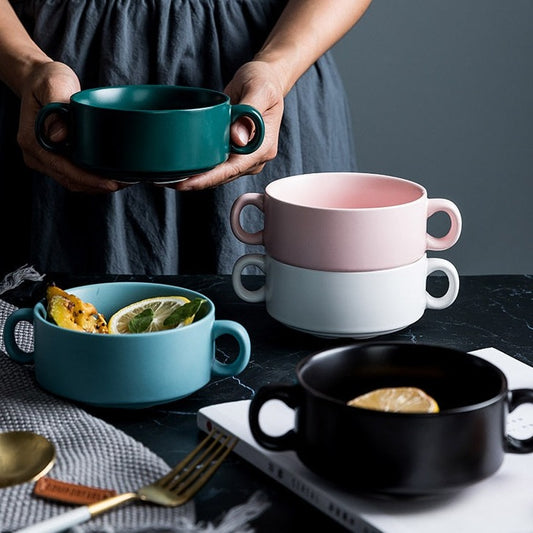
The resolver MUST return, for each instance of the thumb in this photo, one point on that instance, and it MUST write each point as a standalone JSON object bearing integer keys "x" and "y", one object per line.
{"x": 241, "y": 132}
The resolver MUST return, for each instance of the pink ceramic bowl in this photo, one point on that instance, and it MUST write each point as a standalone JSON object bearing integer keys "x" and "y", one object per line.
{"x": 346, "y": 221}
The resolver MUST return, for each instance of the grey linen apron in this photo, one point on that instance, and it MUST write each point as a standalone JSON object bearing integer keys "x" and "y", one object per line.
{"x": 145, "y": 229}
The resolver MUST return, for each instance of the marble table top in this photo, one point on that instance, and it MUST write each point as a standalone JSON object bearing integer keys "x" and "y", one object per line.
{"x": 494, "y": 310}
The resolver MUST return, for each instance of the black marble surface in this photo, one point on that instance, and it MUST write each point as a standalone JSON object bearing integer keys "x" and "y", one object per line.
{"x": 492, "y": 311}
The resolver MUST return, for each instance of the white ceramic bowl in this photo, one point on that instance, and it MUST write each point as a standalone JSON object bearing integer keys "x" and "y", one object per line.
{"x": 346, "y": 304}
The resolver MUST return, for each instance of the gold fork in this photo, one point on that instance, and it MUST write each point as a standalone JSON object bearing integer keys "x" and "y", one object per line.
{"x": 175, "y": 488}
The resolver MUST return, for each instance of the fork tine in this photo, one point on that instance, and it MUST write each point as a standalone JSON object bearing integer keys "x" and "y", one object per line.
{"x": 197, "y": 468}
{"x": 202, "y": 474}
{"x": 193, "y": 471}
{"x": 187, "y": 459}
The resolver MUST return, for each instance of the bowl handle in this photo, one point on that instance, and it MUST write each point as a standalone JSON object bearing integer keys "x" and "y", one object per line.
{"x": 512, "y": 444}
{"x": 291, "y": 395}
{"x": 63, "y": 111}
{"x": 252, "y": 296}
{"x": 243, "y": 110}
{"x": 236, "y": 330}
{"x": 12, "y": 348}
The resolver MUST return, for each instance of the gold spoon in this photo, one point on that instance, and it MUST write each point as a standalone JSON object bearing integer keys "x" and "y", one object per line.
{"x": 24, "y": 456}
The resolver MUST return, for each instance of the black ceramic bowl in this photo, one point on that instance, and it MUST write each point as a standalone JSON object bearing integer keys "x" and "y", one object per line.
{"x": 396, "y": 453}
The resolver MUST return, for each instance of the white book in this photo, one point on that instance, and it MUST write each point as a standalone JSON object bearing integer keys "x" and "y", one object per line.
{"x": 502, "y": 503}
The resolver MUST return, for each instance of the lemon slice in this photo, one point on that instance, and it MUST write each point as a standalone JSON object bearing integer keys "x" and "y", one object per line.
{"x": 148, "y": 315}
{"x": 397, "y": 400}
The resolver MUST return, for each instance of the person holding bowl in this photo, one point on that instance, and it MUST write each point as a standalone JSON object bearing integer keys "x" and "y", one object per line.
{"x": 270, "y": 54}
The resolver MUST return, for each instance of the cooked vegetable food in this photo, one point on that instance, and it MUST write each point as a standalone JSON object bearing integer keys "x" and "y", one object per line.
{"x": 68, "y": 311}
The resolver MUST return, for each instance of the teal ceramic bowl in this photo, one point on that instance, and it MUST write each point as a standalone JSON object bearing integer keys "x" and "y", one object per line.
{"x": 154, "y": 133}
{"x": 126, "y": 370}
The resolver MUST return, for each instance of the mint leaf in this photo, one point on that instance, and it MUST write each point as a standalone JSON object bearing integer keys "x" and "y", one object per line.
{"x": 141, "y": 322}
{"x": 183, "y": 312}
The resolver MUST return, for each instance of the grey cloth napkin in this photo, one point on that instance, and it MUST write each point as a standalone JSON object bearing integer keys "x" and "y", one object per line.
{"x": 89, "y": 452}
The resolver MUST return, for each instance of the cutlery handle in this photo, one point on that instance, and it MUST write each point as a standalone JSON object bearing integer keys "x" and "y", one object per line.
{"x": 60, "y": 522}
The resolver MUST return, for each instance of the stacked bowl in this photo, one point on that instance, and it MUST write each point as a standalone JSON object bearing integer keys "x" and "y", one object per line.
{"x": 346, "y": 252}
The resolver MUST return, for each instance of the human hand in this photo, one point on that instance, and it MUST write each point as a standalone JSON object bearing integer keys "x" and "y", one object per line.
{"x": 255, "y": 84}
{"x": 54, "y": 82}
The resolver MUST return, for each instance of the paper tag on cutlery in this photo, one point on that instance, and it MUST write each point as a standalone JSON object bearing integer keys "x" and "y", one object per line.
{"x": 53, "y": 489}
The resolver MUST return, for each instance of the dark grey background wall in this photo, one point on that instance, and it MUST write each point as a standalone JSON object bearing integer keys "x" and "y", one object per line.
{"x": 441, "y": 93}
